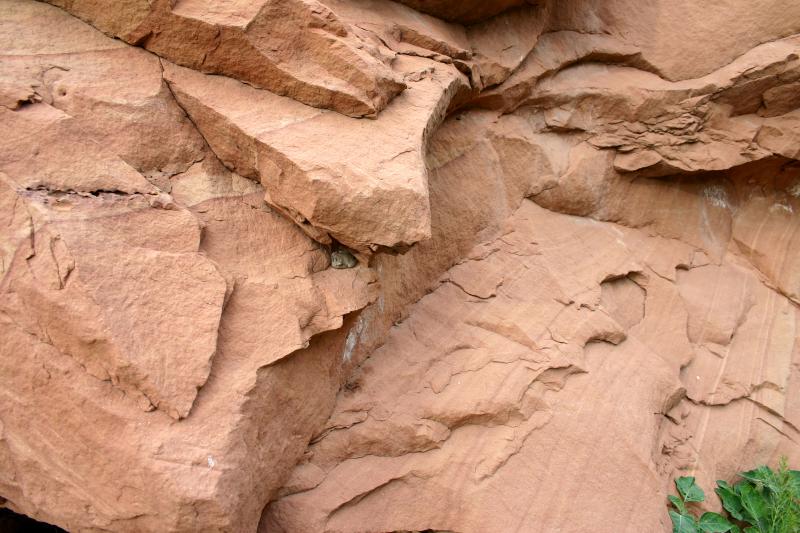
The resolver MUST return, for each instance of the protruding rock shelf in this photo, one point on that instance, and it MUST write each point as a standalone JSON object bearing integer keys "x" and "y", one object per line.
{"x": 297, "y": 48}
{"x": 363, "y": 182}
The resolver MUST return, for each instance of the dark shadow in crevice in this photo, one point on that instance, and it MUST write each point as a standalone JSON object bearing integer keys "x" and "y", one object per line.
{"x": 11, "y": 522}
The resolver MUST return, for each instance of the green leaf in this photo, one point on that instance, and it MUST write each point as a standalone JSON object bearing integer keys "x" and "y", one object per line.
{"x": 714, "y": 523}
{"x": 678, "y": 503}
{"x": 755, "y": 505}
{"x": 682, "y": 523}
{"x": 688, "y": 489}
{"x": 762, "y": 473}
{"x": 794, "y": 475}
{"x": 730, "y": 500}
{"x": 735, "y": 529}
{"x": 763, "y": 476}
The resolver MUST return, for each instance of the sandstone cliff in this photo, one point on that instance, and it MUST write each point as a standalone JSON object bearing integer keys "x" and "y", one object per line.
{"x": 572, "y": 231}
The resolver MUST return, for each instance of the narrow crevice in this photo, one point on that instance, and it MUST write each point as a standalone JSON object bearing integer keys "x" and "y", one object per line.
{"x": 11, "y": 522}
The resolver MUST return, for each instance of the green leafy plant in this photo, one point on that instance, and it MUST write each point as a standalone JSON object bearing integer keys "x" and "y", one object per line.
{"x": 764, "y": 501}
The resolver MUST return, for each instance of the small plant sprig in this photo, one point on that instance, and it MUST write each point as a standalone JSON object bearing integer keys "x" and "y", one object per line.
{"x": 684, "y": 522}
{"x": 764, "y": 501}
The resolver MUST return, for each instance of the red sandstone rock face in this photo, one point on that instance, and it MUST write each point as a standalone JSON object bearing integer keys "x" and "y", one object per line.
{"x": 575, "y": 235}
{"x": 294, "y": 47}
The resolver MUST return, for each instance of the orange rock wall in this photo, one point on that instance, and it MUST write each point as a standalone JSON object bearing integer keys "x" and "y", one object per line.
{"x": 575, "y": 234}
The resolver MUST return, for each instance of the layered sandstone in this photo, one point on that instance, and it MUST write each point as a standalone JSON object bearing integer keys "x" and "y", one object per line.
{"x": 572, "y": 231}
{"x": 298, "y": 48}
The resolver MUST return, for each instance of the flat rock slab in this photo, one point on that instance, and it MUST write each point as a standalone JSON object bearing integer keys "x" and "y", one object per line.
{"x": 362, "y": 182}
{"x": 297, "y": 48}
{"x": 102, "y": 273}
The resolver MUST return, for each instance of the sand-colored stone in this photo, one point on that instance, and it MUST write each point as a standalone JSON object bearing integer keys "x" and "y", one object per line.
{"x": 489, "y": 396}
{"x": 455, "y": 419}
{"x": 683, "y": 39}
{"x": 361, "y": 182}
{"x": 574, "y": 261}
{"x": 297, "y": 48}
{"x": 129, "y": 302}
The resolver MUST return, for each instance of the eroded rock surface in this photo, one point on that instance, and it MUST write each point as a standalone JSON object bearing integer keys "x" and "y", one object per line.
{"x": 132, "y": 305}
{"x": 527, "y": 368}
{"x": 570, "y": 235}
{"x": 297, "y": 48}
{"x": 363, "y": 183}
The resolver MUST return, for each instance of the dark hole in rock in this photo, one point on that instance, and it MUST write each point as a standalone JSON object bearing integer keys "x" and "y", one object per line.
{"x": 11, "y": 522}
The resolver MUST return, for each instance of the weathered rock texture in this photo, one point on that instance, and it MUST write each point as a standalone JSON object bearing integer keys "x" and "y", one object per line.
{"x": 573, "y": 237}
{"x": 294, "y": 47}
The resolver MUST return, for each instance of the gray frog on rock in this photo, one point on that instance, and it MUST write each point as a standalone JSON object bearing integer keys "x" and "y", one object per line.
{"x": 342, "y": 258}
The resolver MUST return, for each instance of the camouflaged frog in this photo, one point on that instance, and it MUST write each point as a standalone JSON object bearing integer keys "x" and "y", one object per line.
{"x": 343, "y": 259}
